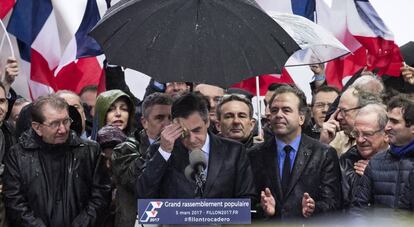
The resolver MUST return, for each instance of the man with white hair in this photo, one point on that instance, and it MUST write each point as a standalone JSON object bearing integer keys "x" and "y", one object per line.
{"x": 387, "y": 172}
{"x": 337, "y": 130}
{"x": 370, "y": 139}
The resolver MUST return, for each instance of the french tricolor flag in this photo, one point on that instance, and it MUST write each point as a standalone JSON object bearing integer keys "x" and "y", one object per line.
{"x": 357, "y": 25}
{"x": 365, "y": 34}
{"x": 5, "y": 7}
{"x": 54, "y": 45}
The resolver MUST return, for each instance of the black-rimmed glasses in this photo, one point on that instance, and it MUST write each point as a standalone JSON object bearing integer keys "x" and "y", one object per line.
{"x": 55, "y": 124}
{"x": 367, "y": 134}
{"x": 344, "y": 111}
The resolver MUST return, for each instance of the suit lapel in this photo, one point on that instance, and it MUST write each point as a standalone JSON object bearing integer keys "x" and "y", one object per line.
{"x": 302, "y": 159}
{"x": 272, "y": 168}
{"x": 215, "y": 162}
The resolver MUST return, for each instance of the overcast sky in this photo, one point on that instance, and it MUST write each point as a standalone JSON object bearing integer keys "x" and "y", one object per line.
{"x": 398, "y": 15}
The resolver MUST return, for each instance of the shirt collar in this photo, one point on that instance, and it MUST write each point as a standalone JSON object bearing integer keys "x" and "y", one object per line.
{"x": 151, "y": 141}
{"x": 294, "y": 144}
{"x": 206, "y": 146}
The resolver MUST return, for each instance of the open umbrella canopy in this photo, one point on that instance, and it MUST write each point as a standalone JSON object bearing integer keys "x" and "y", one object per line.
{"x": 407, "y": 52}
{"x": 211, "y": 41}
{"x": 317, "y": 45}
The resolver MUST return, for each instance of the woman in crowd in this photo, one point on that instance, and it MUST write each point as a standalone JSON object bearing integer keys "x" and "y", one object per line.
{"x": 114, "y": 107}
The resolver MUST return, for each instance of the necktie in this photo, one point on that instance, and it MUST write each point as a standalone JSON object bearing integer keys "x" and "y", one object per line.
{"x": 286, "y": 169}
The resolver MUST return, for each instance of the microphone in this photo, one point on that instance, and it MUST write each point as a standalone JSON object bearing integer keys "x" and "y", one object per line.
{"x": 198, "y": 163}
{"x": 196, "y": 170}
{"x": 189, "y": 173}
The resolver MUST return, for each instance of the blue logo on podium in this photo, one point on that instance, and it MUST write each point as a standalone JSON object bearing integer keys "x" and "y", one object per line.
{"x": 194, "y": 211}
{"x": 151, "y": 211}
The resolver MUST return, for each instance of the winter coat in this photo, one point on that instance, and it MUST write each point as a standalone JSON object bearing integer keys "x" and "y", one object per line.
{"x": 9, "y": 135}
{"x": 3, "y": 221}
{"x": 383, "y": 180}
{"x": 128, "y": 159}
{"x": 316, "y": 171}
{"x": 86, "y": 183}
{"x": 349, "y": 176}
{"x": 407, "y": 198}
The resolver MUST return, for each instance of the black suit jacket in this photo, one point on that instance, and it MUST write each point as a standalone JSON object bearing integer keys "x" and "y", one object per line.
{"x": 229, "y": 173}
{"x": 316, "y": 171}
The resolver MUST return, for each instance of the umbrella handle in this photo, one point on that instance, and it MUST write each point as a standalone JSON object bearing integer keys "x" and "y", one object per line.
{"x": 259, "y": 117}
{"x": 8, "y": 38}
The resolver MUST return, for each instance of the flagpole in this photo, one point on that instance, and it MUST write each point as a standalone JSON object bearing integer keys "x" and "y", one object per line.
{"x": 8, "y": 38}
{"x": 259, "y": 117}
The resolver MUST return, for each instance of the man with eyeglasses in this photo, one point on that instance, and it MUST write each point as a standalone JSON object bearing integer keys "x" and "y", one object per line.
{"x": 370, "y": 139}
{"x": 337, "y": 130}
{"x": 387, "y": 172}
{"x": 175, "y": 89}
{"x": 322, "y": 99}
{"x": 52, "y": 177}
{"x": 214, "y": 95}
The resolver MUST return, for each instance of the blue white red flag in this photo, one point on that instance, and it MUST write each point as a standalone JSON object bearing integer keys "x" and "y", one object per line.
{"x": 264, "y": 81}
{"x": 357, "y": 25}
{"x": 370, "y": 40}
{"x": 54, "y": 45}
{"x": 5, "y": 7}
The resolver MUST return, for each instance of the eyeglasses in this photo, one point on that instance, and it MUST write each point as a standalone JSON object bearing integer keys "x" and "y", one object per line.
{"x": 55, "y": 124}
{"x": 321, "y": 105}
{"x": 366, "y": 134}
{"x": 344, "y": 111}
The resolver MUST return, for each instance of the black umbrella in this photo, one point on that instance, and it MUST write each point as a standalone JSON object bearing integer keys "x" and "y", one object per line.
{"x": 211, "y": 41}
{"x": 407, "y": 51}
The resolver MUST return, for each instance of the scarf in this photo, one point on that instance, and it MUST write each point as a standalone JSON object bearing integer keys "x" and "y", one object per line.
{"x": 403, "y": 150}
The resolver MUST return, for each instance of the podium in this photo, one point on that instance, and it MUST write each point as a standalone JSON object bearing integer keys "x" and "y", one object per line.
{"x": 194, "y": 211}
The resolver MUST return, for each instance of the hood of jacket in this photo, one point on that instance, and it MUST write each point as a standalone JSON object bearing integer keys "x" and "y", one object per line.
{"x": 105, "y": 100}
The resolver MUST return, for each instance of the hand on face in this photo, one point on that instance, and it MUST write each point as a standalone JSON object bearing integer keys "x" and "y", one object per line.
{"x": 330, "y": 128}
{"x": 169, "y": 135}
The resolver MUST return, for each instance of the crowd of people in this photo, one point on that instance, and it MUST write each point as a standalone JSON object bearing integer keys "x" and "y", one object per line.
{"x": 84, "y": 159}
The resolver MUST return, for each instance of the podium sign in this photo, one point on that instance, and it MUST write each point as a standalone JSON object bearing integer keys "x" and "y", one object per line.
{"x": 194, "y": 211}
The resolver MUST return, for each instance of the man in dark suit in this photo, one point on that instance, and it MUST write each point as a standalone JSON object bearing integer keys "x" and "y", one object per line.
{"x": 296, "y": 175}
{"x": 228, "y": 169}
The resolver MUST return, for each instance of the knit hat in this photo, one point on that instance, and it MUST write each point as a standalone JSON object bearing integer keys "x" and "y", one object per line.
{"x": 110, "y": 136}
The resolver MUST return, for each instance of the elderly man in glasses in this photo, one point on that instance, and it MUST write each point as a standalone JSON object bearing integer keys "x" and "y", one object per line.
{"x": 337, "y": 130}
{"x": 370, "y": 139}
{"x": 388, "y": 172}
{"x": 52, "y": 177}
